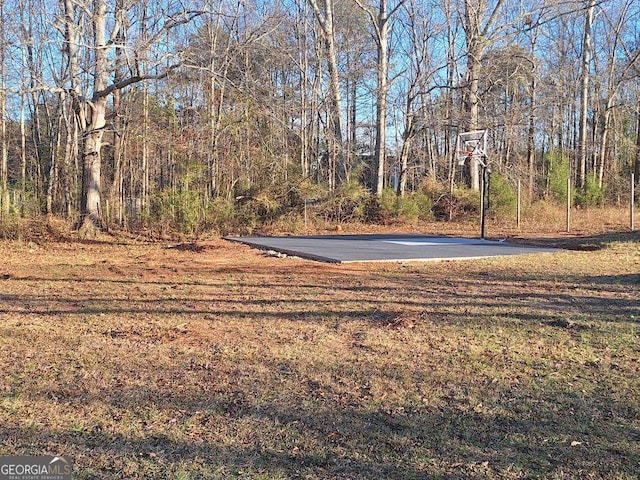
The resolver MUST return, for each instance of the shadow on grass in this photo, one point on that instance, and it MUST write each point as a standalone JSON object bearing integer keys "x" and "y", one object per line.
{"x": 278, "y": 418}
{"x": 307, "y": 435}
{"x": 533, "y": 306}
{"x": 480, "y": 293}
{"x": 629, "y": 279}
{"x": 589, "y": 243}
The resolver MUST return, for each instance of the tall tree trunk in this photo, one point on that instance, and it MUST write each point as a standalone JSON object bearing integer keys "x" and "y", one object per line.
{"x": 218, "y": 74}
{"x": 473, "y": 12}
{"x": 119, "y": 127}
{"x": 325, "y": 17}
{"x": 144, "y": 191}
{"x": 54, "y": 168}
{"x": 35, "y": 79}
{"x": 408, "y": 135}
{"x": 472, "y": 107}
{"x": 23, "y": 150}
{"x": 604, "y": 140}
{"x": 531, "y": 148}
{"x": 119, "y": 124}
{"x": 380, "y": 23}
{"x": 636, "y": 168}
{"x": 584, "y": 94}
{"x": 303, "y": 85}
{"x": 334, "y": 80}
{"x": 615, "y": 76}
{"x": 381, "y": 96}
{"x": 91, "y": 206}
{"x": 451, "y": 70}
{"x": 419, "y": 71}
{"x": 91, "y": 113}
{"x": 212, "y": 154}
{"x": 479, "y": 20}
{"x": 4, "y": 151}
{"x": 78, "y": 108}
{"x": 67, "y": 167}
{"x": 449, "y": 100}
{"x": 352, "y": 109}
{"x": 531, "y": 131}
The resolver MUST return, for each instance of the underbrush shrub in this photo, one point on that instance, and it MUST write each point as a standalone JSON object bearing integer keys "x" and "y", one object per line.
{"x": 220, "y": 216}
{"x": 12, "y": 227}
{"x": 559, "y": 171}
{"x": 22, "y": 201}
{"x": 290, "y": 222}
{"x": 302, "y": 191}
{"x": 432, "y": 189}
{"x": 415, "y": 206}
{"x": 262, "y": 206}
{"x": 176, "y": 209}
{"x": 390, "y": 208}
{"x": 373, "y": 210}
{"x": 387, "y": 207}
{"x": 617, "y": 191}
{"x": 37, "y": 229}
{"x": 502, "y": 197}
{"x": 347, "y": 203}
{"x": 544, "y": 215}
{"x": 437, "y": 202}
{"x": 464, "y": 203}
{"x": 249, "y": 217}
{"x": 591, "y": 195}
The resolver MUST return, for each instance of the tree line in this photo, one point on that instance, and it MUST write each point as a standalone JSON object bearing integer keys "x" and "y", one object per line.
{"x": 113, "y": 111}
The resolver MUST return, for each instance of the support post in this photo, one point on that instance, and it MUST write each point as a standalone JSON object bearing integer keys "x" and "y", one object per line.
{"x": 569, "y": 204}
{"x": 451, "y": 193}
{"x": 518, "y": 206}
{"x": 483, "y": 198}
{"x": 632, "y": 204}
{"x": 488, "y": 175}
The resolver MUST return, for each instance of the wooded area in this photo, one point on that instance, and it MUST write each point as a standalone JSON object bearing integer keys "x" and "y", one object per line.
{"x": 125, "y": 112}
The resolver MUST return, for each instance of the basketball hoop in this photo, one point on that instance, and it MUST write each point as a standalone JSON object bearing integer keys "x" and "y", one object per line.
{"x": 471, "y": 145}
{"x": 464, "y": 155}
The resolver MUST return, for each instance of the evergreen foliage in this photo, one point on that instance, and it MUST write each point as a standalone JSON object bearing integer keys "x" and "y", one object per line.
{"x": 591, "y": 195}
{"x": 559, "y": 170}
{"x": 503, "y": 198}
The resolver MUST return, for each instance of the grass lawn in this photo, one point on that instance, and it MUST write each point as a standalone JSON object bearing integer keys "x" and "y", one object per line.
{"x": 144, "y": 361}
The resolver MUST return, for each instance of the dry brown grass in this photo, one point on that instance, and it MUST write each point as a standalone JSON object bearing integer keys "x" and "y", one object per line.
{"x": 541, "y": 219}
{"x": 141, "y": 361}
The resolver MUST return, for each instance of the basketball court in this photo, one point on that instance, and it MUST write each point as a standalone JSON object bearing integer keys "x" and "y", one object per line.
{"x": 471, "y": 149}
{"x": 387, "y": 248}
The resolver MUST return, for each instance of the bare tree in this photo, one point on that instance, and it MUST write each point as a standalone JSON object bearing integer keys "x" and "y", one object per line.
{"x": 266, "y": 84}
{"x": 480, "y": 19}
{"x": 119, "y": 124}
{"x": 380, "y": 19}
{"x": 4, "y": 154}
{"x": 91, "y": 108}
{"x": 420, "y": 31}
{"x": 587, "y": 50}
{"x": 636, "y": 166}
{"x": 617, "y": 72}
{"x": 302, "y": 42}
{"x": 531, "y": 129}
{"x": 324, "y": 13}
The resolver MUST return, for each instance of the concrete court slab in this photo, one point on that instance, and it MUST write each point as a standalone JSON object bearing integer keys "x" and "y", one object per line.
{"x": 387, "y": 247}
